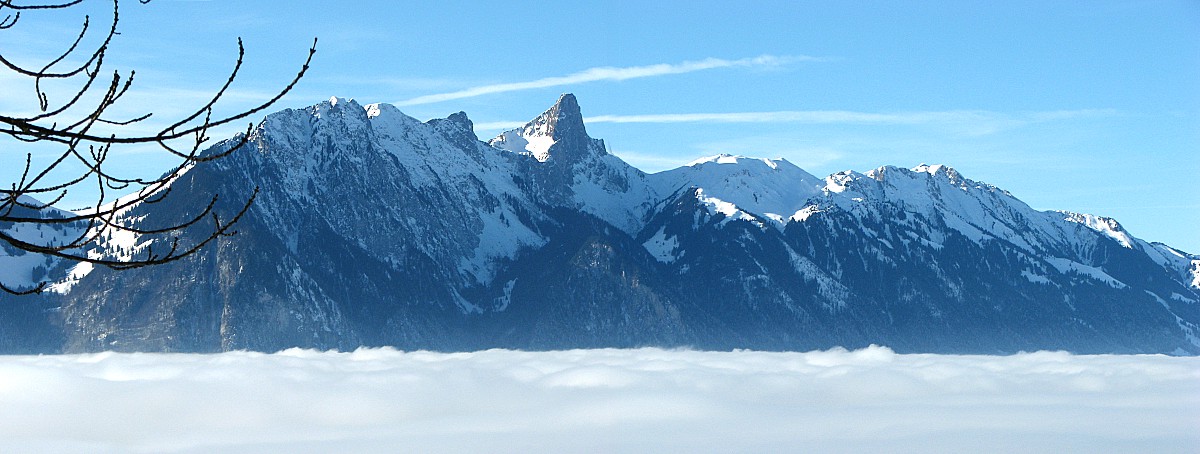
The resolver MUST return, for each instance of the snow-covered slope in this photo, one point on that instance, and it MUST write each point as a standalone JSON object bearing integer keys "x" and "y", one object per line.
{"x": 372, "y": 227}
{"x": 774, "y": 189}
{"x": 576, "y": 170}
{"x": 21, "y": 270}
{"x": 763, "y": 189}
{"x": 372, "y": 156}
{"x": 982, "y": 213}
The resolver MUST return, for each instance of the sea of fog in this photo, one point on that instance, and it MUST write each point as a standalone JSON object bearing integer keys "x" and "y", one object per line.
{"x": 644, "y": 400}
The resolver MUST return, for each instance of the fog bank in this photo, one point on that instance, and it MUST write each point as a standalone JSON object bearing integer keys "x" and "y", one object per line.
{"x": 383, "y": 400}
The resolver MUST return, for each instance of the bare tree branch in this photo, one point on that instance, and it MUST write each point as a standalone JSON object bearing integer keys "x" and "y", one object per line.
{"x": 83, "y": 157}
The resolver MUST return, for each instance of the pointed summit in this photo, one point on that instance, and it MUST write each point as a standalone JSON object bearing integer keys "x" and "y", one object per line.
{"x": 564, "y": 118}
{"x": 560, "y": 124}
{"x": 457, "y": 127}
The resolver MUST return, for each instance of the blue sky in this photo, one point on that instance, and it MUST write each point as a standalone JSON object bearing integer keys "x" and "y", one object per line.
{"x": 1080, "y": 106}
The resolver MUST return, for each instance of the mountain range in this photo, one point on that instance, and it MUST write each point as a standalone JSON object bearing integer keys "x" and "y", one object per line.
{"x": 373, "y": 228}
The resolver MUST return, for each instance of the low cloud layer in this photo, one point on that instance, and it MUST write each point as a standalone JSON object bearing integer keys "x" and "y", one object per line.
{"x": 382, "y": 400}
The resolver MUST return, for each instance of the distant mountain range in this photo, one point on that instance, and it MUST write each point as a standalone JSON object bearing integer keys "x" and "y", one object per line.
{"x": 373, "y": 228}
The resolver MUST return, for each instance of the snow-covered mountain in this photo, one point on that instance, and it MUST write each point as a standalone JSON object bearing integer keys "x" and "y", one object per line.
{"x": 374, "y": 228}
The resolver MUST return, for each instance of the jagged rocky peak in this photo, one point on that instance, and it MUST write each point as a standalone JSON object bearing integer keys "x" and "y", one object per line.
{"x": 381, "y": 109}
{"x": 561, "y": 120}
{"x": 949, "y": 174}
{"x": 339, "y": 117}
{"x": 336, "y": 104}
{"x": 457, "y": 120}
{"x": 457, "y": 127}
{"x": 923, "y": 178}
{"x": 922, "y": 170}
{"x": 460, "y": 118}
{"x": 1107, "y": 226}
{"x": 561, "y": 124}
{"x": 935, "y": 169}
{"x": 289, "y": 119}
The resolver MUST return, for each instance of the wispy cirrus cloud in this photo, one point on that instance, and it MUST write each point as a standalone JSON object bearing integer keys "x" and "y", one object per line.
{"x": 970, "y": 122}
{"x": 852, "y": 117}
{"x": 610, "y": 73}
{"x": 787, "y": 116}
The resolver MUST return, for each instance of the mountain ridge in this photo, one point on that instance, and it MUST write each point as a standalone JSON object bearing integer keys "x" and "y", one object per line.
{"x": 374, "y": 228}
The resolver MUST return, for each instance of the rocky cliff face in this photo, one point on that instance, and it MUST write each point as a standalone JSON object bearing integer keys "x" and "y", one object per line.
{"x": 373, "y": 228}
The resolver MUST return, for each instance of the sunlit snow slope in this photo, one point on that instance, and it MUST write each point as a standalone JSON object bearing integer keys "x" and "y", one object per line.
{"x": 374, "y": 228}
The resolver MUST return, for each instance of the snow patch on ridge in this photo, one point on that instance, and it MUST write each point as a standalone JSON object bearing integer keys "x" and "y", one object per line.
{"x": 1034, "y": 278}
{"x": 662, "y": 247}
{"x": 500, "y": 237}
{"x": 505, "y": 298}
{"x": 731, "y": 211}
{"x": 1067, "y": 265}
{"x": 77, "y": 272}
{"x": 537, "y": 146}
{"x": 1106, "y": 226}
{"x": 733, "y": 159}
{"x": 540, "y": 134}
{"x": 772, "y": 189}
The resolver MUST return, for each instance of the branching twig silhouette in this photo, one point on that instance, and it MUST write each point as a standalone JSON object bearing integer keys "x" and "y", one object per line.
{"x": 74, "y": 126}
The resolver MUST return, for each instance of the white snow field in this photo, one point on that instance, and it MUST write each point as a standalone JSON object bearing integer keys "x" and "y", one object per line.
{"x": 643, "y": 400}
